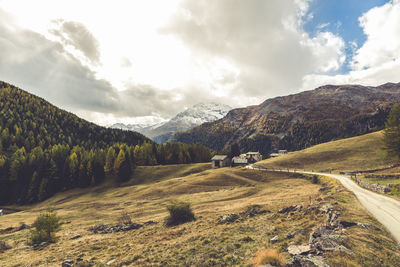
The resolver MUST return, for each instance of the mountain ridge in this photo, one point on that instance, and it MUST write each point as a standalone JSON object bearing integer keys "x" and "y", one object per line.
{"x": 189, "y": 118}
{"x": 300, "y": 120}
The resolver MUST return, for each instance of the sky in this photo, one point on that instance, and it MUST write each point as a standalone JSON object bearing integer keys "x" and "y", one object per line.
{"x": 135, "y": 61}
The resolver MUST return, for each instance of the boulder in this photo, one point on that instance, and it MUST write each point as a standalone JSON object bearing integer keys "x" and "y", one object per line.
{"x": 299, "y": 250}
{"x": 228, "y": 218}
{"x": 347, "y": 224}
{"x": 307, "y": 261}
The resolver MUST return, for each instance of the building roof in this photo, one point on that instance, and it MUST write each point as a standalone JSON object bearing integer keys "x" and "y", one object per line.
{"x": 239, "y": 160}
{"x": 219, "y": 157}
{"x": 253, "y": 153}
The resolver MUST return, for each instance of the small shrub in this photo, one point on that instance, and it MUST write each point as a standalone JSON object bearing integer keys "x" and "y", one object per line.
{"x": 179, "y": 212}
{"x": 124, "y": 218}
{"x": 269, "y": 256}
{"x": 46, "y": 225}
{"x": 315, "y": 179}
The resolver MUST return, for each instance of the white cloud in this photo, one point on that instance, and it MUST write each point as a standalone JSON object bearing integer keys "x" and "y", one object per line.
{"x": 263, "y": 40}
{"x": 377, "y": 61}
{"x": 126, "y": 59}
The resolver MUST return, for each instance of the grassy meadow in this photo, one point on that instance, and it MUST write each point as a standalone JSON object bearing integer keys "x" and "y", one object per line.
{"x": 357, "y": 153}
{"x": 203, "y": 242}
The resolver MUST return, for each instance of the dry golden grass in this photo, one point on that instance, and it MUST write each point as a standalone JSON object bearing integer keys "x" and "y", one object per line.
{"x": 269, "y": 256}
{"x": 203, "y": 242}
{"x": 356, "y": 153}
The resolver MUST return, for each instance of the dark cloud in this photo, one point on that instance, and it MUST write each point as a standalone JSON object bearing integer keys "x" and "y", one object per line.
{"x": 76, "y": 34}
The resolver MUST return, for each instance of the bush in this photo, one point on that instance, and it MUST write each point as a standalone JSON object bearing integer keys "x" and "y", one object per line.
{"x": 124, "y": 218}
{"x": 179, "y": 212}
{"x": 46, "y": 225}
{"x": 315, "y": 179}
{"x": 269, "y": 256}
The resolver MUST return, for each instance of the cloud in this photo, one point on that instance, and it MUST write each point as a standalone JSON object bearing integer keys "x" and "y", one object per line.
{"x": 45, "y": 68}
{"x": 264, "y": 40}
{"x": 75, "y": 34}
{"x": 377, "y": 61}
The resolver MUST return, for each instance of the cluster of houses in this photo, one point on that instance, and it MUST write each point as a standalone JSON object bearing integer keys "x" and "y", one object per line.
{"x": 219, "y": 161}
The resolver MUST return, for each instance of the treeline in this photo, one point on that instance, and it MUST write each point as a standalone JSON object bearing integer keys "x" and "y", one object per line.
{"x": 45, "y": 150}
{"x": 27, "y": 177}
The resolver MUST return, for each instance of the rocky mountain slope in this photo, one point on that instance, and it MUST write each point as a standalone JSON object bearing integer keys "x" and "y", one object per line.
{"x": 300, "y": 120}
{"x": 191, "y": 117}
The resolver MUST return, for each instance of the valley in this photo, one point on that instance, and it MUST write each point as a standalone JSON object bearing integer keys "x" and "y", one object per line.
{"x": 204, "y": 242}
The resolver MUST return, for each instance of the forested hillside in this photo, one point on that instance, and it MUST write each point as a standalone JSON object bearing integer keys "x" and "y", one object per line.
{"x": 44, "y": 150}
{"x": 301, "y": 120}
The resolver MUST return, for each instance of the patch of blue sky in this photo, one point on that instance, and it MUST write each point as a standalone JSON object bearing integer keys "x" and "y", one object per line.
{"x": 341, "y": 17}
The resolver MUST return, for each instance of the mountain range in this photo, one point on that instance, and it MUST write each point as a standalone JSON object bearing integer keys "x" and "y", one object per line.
{"x": 191, "y": 117}
{"x": 300, "y": 120}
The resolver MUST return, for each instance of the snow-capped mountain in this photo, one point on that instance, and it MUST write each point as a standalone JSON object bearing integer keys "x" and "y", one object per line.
{"x": 191, "y": 117}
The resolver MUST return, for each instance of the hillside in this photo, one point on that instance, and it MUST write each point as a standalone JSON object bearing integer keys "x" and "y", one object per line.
{"x": 187, "y": 119}
{"x": 356, "y": 153}
{"x": 301, "y": 120}
{"x": 212, "y": 193}
{"x": 45, "y": 150}
{"x": 27, "y": 120}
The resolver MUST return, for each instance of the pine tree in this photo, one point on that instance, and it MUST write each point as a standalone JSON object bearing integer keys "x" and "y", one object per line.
{"x": 110, "y": 159}
{"x": 392, "y": 132}
{"x": 122, "y": 167}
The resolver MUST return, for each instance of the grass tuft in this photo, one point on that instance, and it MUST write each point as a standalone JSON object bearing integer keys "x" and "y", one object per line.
{"x": 269, "y": 256}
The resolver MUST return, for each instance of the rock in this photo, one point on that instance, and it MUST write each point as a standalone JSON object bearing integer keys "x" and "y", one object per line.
{"x": 326, "y": 208}
{"x": 104, "y": 229}
{"x": 228, "y": 218}
{"x": 299, "y": 250}
{"x": 291, "y": 208}
{"x": 307, "y": 261}
{"x": 75, "y": 237}
{"x": 332, "y": 217}
{"x": 79, "y": 259}
{"x": 347, "y": 224}
{"x": 368, "y": 226}
{"x": 325, "y": 239}
{"x": 274, "y": 239}
{"x": 253, "y": 211}
{"x": 67, "y": 263}
{"x": 111, "y": 262}
{"x": 150, "y": 223}
{"x": 293, "y": 234}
